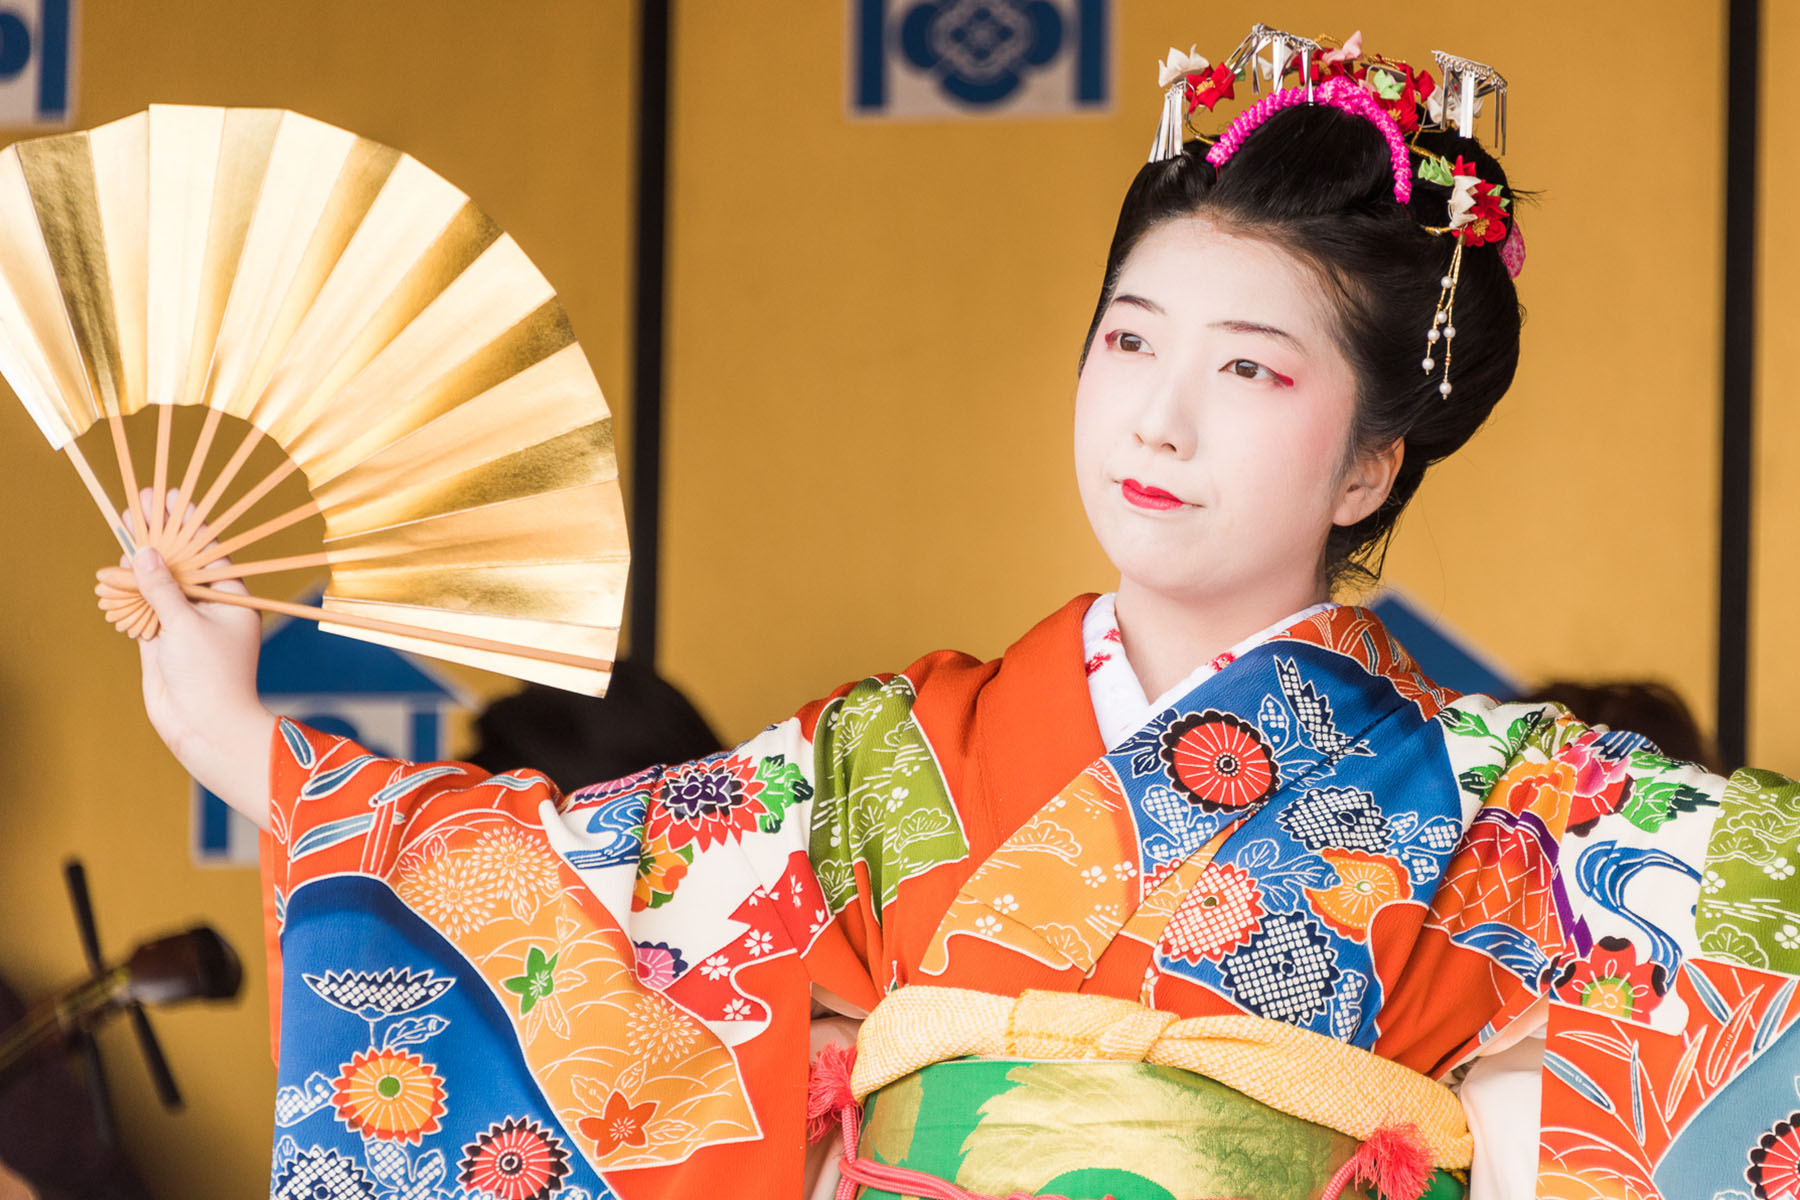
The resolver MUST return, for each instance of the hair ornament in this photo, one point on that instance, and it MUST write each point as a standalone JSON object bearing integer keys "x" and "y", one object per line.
{"x": 1270, "y": 54}
{"x": 1512, "y": 251}
{"x": 1466, "y": 84}
{"x": 1338, "y": 92}
{"x": 1398, "y": 100}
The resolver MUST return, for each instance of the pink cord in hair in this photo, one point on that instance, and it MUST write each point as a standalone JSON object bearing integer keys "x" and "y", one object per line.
{"x": 1339, "y": 93}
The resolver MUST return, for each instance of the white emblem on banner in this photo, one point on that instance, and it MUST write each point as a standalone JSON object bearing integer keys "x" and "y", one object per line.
{"x": 958, "y": 58}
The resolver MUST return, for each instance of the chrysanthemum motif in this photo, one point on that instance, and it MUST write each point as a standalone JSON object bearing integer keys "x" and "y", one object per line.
{"x": 371, "y": 995}
{"x": 657, "y": 1030}
{"x": 1774, "y": 1171}
{"x": 710, "y": 802}
{"x": 516, "y": 1159}
{"x": 389, "y": 1094}
{"x": 1218, "y": 760}
{"x": 1344, "y": 817}
{"x": 318, "y": 1174}
{"x": 450, "y": 892}
{"x": 517, "y": 868}
{"x": 1286, "y": 972}
{"x": 659, "y": 964}
{"x": 1220, "y": 914}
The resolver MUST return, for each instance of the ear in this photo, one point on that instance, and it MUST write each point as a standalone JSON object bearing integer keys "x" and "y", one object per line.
{"x": 1367, "y": 482}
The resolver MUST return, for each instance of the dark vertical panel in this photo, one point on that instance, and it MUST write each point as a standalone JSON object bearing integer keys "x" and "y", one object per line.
{"x": 1743, "y": 70}
{"x": 1093, "y": 53}
{"x": 871, "y": 62}
{"x": 53, "y": 60}
{"x": 648, "y": 309}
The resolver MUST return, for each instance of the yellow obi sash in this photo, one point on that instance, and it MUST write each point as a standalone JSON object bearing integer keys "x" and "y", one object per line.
{"x": 1292, "y": 1070}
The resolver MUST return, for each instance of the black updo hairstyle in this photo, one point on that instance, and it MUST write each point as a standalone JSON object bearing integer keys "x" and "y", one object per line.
{"x": 1319, "y": 182}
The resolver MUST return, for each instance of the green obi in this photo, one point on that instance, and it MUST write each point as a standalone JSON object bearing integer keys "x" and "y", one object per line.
{"x": 1089, "y": 1130}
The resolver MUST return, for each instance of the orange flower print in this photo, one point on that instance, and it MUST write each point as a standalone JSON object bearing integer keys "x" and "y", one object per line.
{"x": 660, "y": 871}
{"x": 1541, "y": 789}
{"x": 389, "y": 1094}
{"x": 622, "y": 1124}
{"x": 1365, "y": 883}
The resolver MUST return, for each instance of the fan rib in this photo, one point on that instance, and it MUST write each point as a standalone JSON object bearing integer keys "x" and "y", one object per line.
{"x": 101, "y": 499}
{"x": 264, "y": 566}
{"x": 159, "y": 477}
{"x": 134, "y": 509}
{"x": 190, "y": 526}
{"x": 197, "y": 459}
{"x": 245, "y": 502}
{"x": 292, "y": 516}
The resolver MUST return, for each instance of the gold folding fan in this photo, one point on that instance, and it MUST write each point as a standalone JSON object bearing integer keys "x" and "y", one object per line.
{"x": 310, "y": 288}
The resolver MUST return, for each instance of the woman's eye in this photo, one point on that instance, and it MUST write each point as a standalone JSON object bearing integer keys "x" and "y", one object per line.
{"x": 1130, "y": 343}
{"x": 1245, "y": 368}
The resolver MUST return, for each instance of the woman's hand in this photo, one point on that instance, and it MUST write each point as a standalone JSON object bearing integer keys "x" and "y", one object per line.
{"x": 200, "y": 685}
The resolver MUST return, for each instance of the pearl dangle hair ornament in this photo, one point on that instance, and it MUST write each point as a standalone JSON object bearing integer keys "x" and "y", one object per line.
{"x": 1391, "y": 96}
{"x": 1442, "y": 335}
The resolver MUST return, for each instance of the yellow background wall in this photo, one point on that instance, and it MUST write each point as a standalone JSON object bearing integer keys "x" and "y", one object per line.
{"x": 873, "y": 336}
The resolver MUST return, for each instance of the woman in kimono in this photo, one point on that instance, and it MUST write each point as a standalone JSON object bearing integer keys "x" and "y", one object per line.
{"x": 1201, "y": 890}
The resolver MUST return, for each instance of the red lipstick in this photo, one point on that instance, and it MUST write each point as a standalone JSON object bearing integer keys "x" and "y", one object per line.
{"x": 1145, "y": 496}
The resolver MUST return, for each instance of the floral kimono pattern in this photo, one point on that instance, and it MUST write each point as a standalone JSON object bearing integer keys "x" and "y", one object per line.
{"x": 493, "y": 990}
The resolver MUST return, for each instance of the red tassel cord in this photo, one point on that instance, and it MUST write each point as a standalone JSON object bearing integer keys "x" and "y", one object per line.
{"x": 1395, "y": 1161}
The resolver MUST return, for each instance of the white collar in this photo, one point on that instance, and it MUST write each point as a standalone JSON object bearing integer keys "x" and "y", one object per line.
{"x": 1120, "y": 706}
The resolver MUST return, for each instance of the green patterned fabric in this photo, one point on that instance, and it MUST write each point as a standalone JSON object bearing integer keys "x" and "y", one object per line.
{"x": 1088, "y": 1130}
{"x": 883, "y": 800}
{"x": 1749, "y": 910}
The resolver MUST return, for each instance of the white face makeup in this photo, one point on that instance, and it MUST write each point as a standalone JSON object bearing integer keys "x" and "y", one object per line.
{"x": 1211, "y": 423}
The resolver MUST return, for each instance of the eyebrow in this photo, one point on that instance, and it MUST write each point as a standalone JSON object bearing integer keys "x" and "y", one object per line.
{"x": 1258, "y": 327}
{"x": 1273, "y": 331}
{"x": 1139, "y": 302}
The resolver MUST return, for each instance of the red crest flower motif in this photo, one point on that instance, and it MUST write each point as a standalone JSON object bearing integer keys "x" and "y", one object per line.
{"x": 710, "y": 802}
{"x": 1774, "y": 1171}
{"x": 1207, "y": 88}
{"x": 1611, "y": 980}
{"x": 1218, "y": 760}
{"x": 621, "y": 1124}
{"x": 392, "y": 1095}
{"x": 516, "y": 1159}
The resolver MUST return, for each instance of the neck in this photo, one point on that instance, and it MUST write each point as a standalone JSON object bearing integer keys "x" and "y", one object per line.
{"x": 1167, "y": 638}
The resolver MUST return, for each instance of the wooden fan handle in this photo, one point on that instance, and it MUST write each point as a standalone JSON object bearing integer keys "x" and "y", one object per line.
{"x": 377, "y": 625}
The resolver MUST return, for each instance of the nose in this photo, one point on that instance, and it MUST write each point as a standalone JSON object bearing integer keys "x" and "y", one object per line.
{"x": 1163, "y": 422}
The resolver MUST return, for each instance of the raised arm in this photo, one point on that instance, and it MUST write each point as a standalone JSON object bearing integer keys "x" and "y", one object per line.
{"x": 200, "y": 688}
